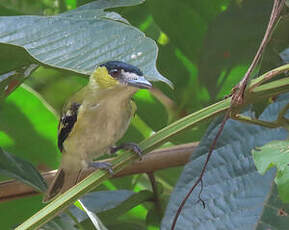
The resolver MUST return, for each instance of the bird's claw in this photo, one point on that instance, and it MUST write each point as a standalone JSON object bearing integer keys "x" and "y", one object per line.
{"x": 127, "y": 146}
{"x": 102, "y": 165}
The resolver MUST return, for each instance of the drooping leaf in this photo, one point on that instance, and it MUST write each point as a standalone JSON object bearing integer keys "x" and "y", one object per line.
{"x": 275, "y": 154}
{"x": 14, "y": 167}
{"x": 234, "y": 192}
{"x": 97, "y": 223}
{"x": 83, "y": 38}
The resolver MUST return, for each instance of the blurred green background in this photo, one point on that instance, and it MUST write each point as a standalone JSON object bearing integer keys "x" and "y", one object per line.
{"x": 205, "y": 47}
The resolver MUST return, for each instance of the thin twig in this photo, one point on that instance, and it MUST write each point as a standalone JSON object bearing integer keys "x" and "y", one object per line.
{"x": 200, "y": 178}
{"x": 155, "y": 191}
{"x": 238, "y": 91}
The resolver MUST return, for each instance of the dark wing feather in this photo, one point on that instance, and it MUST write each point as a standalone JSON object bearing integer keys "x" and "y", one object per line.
{"x": 66, "y": 124}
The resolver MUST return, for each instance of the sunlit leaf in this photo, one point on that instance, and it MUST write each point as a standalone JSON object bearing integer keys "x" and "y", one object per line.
{"x": 275, "y": 154}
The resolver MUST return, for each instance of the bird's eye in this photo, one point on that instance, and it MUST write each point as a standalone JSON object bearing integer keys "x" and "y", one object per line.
{"x": 114, "y": 72}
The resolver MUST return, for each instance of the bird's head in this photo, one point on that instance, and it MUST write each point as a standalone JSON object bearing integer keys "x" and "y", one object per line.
{"x": 116, "y": 73}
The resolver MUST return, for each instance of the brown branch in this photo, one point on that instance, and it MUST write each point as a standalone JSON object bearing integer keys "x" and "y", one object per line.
{"x": 238, "y": 91}
{"x": 153, "y": 161}
{"x": 156, "y": 193}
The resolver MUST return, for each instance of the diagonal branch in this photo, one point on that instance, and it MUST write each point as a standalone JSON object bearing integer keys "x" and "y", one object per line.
{"x": 238, "y": 91}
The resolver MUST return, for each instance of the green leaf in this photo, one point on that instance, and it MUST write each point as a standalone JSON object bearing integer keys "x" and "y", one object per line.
{"x": 97, "y": 223}
{"x": 234, "y": 192}
{"x": 83, "y": 38}
{"x": 275, "y": 154}
{"x": 28, "y": 128}
{"x": 12, "y": 166}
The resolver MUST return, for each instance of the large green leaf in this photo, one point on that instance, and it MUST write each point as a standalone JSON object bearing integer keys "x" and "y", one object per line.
{"x": 81, "y": 39}
{"x": 236, "y": 195}
{"x": 275, "y": 154}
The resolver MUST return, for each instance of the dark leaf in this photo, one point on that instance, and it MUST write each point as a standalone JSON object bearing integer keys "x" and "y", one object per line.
{"x": 14, "y": 167}
{"x": 234, "y": 192}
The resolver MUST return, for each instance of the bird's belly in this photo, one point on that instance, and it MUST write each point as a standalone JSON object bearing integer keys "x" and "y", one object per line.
{"x": 99, "y": 129}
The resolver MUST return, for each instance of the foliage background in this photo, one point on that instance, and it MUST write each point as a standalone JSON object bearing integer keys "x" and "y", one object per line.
{"x": 205, "y": 48}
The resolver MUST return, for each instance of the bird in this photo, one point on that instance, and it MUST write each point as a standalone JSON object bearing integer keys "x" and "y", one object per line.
{"x": 93, "y": 120}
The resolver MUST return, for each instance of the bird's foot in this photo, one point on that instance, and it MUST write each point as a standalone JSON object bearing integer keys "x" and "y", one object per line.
{"x": 127, "y": 146}
{"x": 102, "y": 165}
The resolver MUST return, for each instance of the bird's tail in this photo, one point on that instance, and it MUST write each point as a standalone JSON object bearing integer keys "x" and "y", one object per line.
{"x": 63, "y": 180}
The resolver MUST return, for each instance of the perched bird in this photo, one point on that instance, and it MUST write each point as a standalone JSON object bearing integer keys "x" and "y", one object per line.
{"x": 93, "y": 121}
